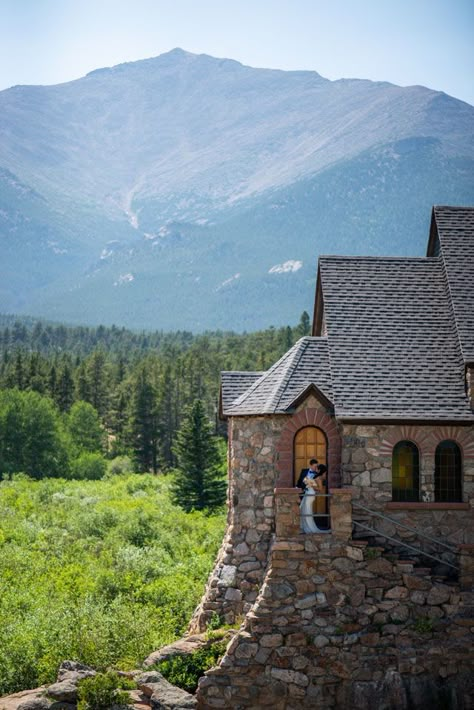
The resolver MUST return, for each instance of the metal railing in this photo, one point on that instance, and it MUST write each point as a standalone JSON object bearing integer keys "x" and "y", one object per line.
{"x": 417, "y": 532}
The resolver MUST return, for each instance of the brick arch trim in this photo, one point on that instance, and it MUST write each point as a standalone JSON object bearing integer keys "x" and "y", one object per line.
{"x": 304, "y": 418}
{"x": 463, "y": 439}
{"x": 406, "y": 433}
{"x": 428, "y": 441}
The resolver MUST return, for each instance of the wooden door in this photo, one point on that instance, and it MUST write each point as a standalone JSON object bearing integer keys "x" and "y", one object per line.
{"x": 310, "y": 443}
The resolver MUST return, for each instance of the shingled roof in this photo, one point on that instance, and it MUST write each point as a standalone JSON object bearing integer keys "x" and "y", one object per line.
{"x": 233, "y": 384}
{"x": 397, "y": 335}
{"x": 452, "y": 237}
{"x": 394, "y": 349}
{"x": 305, "y": 365}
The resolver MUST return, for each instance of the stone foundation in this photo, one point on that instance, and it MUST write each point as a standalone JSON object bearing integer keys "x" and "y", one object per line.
{"x": 243, "y": 558}
{"x": 339, "y": 625}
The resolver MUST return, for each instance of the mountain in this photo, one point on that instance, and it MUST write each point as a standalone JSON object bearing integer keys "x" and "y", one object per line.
{"x": 186, "y": 191}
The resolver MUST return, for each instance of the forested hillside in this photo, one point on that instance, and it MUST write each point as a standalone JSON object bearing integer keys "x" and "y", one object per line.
{"x": 130, "y": 388}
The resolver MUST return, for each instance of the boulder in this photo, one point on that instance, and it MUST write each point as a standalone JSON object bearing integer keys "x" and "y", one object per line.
{"x": 65, "y": 691}
{"x": 75, "y": 671}
{"x": 34, "y": 703}
{"x": 165, "y": 696}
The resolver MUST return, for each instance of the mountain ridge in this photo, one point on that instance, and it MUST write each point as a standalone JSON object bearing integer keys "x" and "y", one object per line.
{"x": 149, "y": 175}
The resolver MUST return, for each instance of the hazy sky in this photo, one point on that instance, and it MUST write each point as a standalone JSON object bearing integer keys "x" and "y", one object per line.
{"x": 406, "y": 42}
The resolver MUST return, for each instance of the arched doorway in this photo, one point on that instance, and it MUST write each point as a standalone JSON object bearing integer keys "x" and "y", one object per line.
{"x": 310, "y": 442}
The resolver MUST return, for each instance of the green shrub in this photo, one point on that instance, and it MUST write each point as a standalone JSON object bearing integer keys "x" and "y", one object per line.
{"x": 214, "y": 622}
{"x": 119, "y": 465}
{"x": 101, "y": 692}
{"x": 89, "y": 466}
{"x": 185, "y": 671}
{"x": 101, "y": 571}
{"x": 423, "y": 625}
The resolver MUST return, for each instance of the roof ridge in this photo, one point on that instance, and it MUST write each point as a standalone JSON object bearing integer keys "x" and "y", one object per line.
{"x": 342, "y": 257}
{"x": 243, "y": 372}
{"x": 448, "y": 286}
{"x": 275, "y": 398}
{"x": 265, "y": 374}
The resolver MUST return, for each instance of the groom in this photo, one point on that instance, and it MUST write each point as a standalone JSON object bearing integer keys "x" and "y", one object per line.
{"x": 311, "y": 472}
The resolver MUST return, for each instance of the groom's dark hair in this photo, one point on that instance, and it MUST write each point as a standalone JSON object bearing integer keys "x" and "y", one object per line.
{"x": 313, "y": 461}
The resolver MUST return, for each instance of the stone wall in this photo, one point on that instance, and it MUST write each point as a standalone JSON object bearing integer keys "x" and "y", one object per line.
{"x": 339, "y": 625}
{"x": 260, "y": 455}
{"x": 243, "y": 558}
{"x": 367, "y": 467}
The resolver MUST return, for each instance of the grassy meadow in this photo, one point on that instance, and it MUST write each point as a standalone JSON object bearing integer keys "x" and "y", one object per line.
{"x": 103, "y": 572}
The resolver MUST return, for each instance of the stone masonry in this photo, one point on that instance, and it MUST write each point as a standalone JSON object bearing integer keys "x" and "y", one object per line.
{"x": 337, "y": 624}
{"x": 367, "y": 467}
{"x": 259, "y": 457}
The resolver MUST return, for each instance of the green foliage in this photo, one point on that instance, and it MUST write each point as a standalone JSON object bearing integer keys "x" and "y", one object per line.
{"x": 102, "y": 571}
{"x": 139, "y": 383}
{"x": 102, "y": 692}
{"x": 423, "y": 625}
{"x": 198, "y": 483}
{"x": 84, "y": 426}
{"x": 185, "y": 670}
{"x": 214, "y": 622}
{"x": 31, "y": 435}
{"x": 88, "y": 466}
{"x": 119, "y": 465}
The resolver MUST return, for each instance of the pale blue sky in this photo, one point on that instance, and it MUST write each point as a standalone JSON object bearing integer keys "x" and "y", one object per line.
{"x": 406, "y": 42}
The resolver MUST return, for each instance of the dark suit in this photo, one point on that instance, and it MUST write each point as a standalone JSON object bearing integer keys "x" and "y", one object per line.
{"x": 303, "y": 474}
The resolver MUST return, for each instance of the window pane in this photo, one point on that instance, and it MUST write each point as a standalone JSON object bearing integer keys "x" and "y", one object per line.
{"x": 405, "y": 472}
{"x": 448, "y": 486}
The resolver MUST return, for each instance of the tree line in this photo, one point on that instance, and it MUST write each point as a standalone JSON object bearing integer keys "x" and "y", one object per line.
{"x": 131, "y": 390}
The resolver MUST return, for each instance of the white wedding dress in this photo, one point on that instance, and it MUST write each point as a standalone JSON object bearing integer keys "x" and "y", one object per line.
{"x": 307, "y": 524}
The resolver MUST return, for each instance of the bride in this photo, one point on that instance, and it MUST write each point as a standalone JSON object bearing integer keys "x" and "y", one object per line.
{"x": 313, "y": 487}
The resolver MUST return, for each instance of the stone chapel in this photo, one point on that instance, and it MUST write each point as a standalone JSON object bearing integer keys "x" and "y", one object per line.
{"x": 383, "y": 394}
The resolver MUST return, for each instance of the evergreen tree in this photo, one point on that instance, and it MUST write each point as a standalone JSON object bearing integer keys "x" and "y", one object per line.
{"x": 304, "y": 326}
{"x": 144, "y": 423}
{"x": 198, "y": 483}
{"x": 64, "y": 388}
{"x": 98, "y": 381}
{"x": 84, "y": 426}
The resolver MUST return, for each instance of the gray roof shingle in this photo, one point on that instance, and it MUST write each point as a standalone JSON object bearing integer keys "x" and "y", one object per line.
{"x": 305, "y": 364}
{"x": 398, "y": 332}
{"x": 393, "y": 344}
{"x": 235, "y": 383}
{"x": 455, "y": 228}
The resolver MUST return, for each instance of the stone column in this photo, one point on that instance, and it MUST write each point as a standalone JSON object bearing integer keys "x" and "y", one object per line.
{"x": 287, "y": 512}
{"x": 340, "y": 507}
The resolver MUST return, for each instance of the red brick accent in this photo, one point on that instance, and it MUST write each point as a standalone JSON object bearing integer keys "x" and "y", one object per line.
{"x": 428, "y": 441}
{"x": 309, "y": 417}
{"x": 395, "y": 505}
{"x": 404, "y": 433}
{"x": 463, "y": 438}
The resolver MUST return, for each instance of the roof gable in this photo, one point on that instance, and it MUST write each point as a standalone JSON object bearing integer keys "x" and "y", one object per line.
{"x": 306, "y": 363}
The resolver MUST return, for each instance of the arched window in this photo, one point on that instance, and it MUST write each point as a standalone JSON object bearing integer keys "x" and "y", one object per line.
{"x": 310, "y": 442}
{"x": 405, "y": 472}
{"x": 448, "y": 486}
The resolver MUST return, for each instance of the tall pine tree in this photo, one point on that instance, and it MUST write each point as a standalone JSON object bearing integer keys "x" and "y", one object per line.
{"x": 198, "y": 483}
